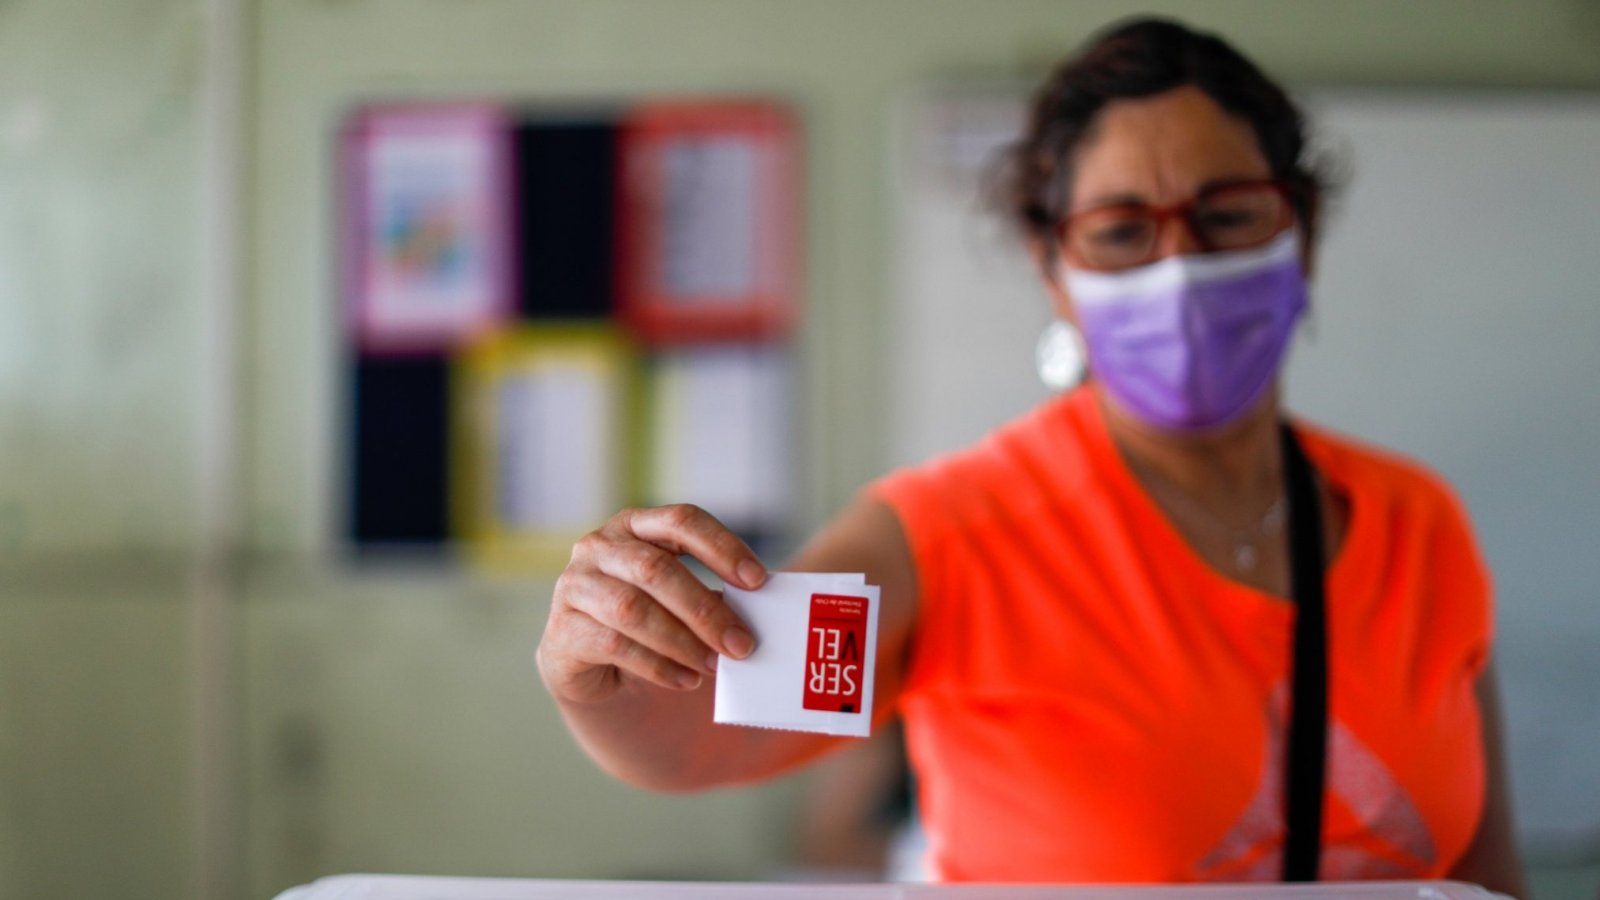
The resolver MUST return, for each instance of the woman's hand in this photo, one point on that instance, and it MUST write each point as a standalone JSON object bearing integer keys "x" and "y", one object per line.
{"x": 628, "y": 610}
{"x": 632, "y": 633}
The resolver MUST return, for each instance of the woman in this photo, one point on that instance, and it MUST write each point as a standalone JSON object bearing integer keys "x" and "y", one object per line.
{"x": 1086, "y": 617}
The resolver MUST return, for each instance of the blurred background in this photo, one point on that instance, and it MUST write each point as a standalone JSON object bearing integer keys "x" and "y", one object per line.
{"x": 226, "y": 669}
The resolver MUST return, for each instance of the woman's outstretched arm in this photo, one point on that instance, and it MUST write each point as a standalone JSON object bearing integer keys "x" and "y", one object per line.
{"x": 629, "y": 649}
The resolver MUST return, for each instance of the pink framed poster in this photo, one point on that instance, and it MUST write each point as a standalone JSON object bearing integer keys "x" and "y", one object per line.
{"x": 426, "y": 225}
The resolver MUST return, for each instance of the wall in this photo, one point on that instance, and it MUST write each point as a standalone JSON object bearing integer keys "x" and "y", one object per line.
{"x": 98, "y": 359}
{"x": 393, "y": 720}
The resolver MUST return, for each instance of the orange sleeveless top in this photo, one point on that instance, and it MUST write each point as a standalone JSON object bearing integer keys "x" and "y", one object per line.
{"x": 1087, "y": 701}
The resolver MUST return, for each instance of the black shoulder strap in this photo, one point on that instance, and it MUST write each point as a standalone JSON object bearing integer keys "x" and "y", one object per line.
{"x": 1308, "y": 718}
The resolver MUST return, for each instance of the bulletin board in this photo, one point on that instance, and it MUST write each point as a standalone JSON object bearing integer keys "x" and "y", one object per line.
{"x": 550, "y": 315}
{"x": 1455, "y": 318}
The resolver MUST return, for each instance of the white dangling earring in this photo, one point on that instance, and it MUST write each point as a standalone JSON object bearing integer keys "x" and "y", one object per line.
{"x": 1060, "y": 356}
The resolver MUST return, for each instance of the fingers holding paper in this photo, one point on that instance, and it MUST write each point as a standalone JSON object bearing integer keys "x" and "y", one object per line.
{"x": 625, "y": 655}
{"x": 637, "y": 622}
{"x": 628, "y": 619}
{"x": 627, "y": 605}
{"x": 684, "y": 528}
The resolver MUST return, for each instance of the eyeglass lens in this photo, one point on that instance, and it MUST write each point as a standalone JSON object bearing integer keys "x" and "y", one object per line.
{"x": 1125, "y": 235}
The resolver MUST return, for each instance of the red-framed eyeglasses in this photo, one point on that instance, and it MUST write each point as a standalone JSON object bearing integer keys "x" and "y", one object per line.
{"x": 1233, "y": 216}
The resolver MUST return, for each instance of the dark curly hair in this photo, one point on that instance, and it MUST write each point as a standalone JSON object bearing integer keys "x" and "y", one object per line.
{"x": 1032, "y": 180}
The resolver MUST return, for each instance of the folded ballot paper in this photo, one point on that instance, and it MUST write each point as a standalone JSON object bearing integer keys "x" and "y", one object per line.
{"x": 816, "y": 651}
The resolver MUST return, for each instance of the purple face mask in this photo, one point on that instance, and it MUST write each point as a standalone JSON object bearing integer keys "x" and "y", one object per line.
{"x": 1192, "y": 342}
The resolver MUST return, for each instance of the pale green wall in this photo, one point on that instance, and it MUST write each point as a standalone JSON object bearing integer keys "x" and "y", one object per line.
{"x": 94, "y": 792}
{"x": 98, "y": 360}
{"x": 98, "y": 299}
{"x": 393, "y": 721}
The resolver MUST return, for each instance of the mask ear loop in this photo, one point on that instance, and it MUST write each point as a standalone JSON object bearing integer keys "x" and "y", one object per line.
{"x": 1060, "y": 356}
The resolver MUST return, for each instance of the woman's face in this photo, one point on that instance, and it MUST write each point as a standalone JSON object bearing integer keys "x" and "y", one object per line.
{"x": 1160, "y": 150}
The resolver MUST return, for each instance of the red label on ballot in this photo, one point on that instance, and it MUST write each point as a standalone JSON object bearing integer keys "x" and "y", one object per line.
{"x": 836, "y": 645}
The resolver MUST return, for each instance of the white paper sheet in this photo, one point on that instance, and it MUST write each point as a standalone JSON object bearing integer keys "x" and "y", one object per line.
{"x": 723, "y": 434}
{"x": 710, "y": 218}
{"x": 555, "y": 444}
{"x": 768, "y": 689}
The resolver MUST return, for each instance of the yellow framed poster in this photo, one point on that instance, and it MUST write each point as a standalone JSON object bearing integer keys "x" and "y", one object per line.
{"x": 544, "y": 442}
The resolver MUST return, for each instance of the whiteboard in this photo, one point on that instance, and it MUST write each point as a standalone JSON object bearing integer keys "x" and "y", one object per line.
{"x": 1456, "y": 318}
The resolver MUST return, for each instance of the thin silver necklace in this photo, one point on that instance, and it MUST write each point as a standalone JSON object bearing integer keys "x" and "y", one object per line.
{"x": 1244, "y": 541}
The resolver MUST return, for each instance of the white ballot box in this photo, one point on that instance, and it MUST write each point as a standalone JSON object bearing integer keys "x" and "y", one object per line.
{"x": 404, "y": 887}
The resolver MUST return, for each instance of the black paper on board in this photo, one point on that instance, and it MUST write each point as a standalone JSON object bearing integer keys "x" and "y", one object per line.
{"x": 399, "y": 475}
{"x": 566, "y": 212}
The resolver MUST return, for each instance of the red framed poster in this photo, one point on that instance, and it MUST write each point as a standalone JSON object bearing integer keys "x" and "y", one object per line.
{"x": 708, "y": 221}
{"x": 426, "y": 225}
